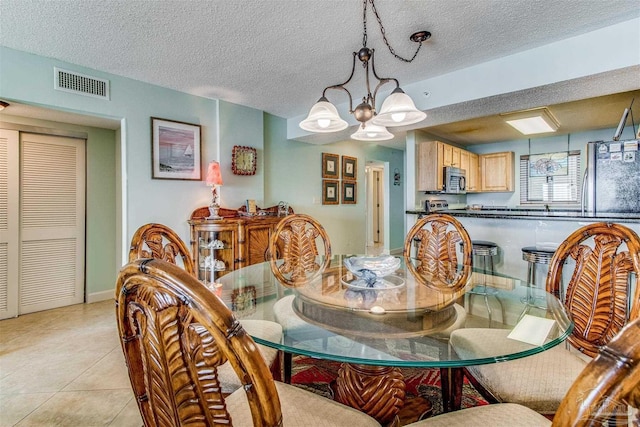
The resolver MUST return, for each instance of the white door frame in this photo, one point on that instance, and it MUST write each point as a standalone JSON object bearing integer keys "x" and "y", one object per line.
{"x": 383, "y": 168}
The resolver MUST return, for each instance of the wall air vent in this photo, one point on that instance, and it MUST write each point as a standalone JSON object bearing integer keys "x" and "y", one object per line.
{"x": 70, "y": 81}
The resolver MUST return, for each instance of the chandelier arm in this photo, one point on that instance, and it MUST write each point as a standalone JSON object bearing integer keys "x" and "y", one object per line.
{"x": 382, "y": 80}
{"x": 341, "y": 85}
{"x": 384, "y": 36}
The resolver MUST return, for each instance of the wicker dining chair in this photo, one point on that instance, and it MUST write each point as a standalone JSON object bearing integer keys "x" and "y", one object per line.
{"x": 430, "y": 251}
{"x": 294, "y": 259}
{"x": 293, "y": 250}
{"x": 602, "y": 391}
{"x": 600, "y": 300}
{"x": 175, "y": 333}
{"x": 161, "y": 242}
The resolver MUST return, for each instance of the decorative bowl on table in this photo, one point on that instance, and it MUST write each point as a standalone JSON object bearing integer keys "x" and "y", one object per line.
{"x": 370, "y": 271}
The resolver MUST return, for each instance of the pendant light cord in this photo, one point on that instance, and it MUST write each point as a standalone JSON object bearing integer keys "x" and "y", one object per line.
{"x": 382, "y": 30}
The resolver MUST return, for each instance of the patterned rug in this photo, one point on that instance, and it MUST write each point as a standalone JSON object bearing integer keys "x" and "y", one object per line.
{"x": 422, "y": 384}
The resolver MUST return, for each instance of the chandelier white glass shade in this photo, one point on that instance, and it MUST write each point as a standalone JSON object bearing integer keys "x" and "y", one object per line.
{"x": 370, "y": 132}
{"x": 323, "y": 117}
{"x": 397, "y": 110}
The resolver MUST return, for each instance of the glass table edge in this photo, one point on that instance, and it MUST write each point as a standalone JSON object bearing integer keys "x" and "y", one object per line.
{"x": 420, "y": 363}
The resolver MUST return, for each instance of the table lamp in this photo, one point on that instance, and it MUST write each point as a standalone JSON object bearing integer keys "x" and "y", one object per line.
{"x": 214, "y": 180}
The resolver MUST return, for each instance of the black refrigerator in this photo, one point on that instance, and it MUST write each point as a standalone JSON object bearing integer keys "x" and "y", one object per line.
{"x": 612, "y": 177}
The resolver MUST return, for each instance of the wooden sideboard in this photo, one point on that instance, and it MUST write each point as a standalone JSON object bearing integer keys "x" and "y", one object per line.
{"x": 235, "y": 241}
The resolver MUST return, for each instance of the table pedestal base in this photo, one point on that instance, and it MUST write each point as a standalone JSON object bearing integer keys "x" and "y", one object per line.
{"x": 378, "y": 391}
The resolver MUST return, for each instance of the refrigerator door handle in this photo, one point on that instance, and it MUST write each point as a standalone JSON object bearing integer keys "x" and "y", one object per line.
{"x": 583, "y": 200}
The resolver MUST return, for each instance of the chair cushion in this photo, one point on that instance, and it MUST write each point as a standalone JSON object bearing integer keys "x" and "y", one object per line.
{"x": 461, "y": 318}
{"x": 295, "y": 329}
{"x": 539, "y": 382}
{"x": 498, "y": 415}
{"x": 300, "y": 408}
{"x": 269, "y": 331}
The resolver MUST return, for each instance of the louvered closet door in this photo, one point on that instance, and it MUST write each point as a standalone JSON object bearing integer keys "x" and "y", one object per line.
{"x": 52, "y": 221}
{"x": 9, "y": 205}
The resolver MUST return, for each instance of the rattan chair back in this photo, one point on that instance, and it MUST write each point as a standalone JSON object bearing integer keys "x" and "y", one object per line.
{"x": 609, "y": 383}
{"x": 174, "y": 333}
{"x": 430, "y": 251}
{"x": 160, "y": 242}
{"x": 293, "y": 250}
{"x": 598, "y": 295}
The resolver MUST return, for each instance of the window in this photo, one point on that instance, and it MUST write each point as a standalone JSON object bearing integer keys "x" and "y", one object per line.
{"x": 550, "y": 178}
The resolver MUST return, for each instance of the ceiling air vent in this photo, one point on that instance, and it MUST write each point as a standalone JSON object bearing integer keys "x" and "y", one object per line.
{"x": 70, "y": 81}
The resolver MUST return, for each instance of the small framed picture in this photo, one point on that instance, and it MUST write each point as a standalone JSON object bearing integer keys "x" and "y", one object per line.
{"x": 330, "y": 166}
{"x": 175, "y": 150}
{"x": 349, "y": 168}
{"x": 330, "y": 192}
{"x": 349, "y": 192}
{"x": 251, "y": 206}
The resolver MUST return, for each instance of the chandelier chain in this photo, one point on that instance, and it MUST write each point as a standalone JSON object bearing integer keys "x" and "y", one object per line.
{"x": 364, "y": 22}
{"x": 384, "y": 35}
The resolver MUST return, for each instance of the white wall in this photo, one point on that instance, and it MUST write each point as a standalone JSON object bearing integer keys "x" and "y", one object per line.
{"x": 511, "y": 235}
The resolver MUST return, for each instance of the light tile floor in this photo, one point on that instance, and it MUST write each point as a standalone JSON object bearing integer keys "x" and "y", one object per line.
{"x": 65, "y": 367}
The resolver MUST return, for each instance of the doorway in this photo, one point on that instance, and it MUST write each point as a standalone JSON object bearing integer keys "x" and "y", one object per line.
{"x": 377, "y": 199}
{"x": 42, "y": 254}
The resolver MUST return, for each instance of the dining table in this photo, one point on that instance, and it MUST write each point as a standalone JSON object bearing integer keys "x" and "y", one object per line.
{"x": 403, "y": 320}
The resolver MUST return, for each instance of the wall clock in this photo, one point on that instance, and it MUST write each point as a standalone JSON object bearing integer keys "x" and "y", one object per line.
{"x": 243, "y": 160}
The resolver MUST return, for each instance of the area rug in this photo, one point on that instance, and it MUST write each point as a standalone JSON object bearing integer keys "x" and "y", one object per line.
{"x": 319, "y": 376}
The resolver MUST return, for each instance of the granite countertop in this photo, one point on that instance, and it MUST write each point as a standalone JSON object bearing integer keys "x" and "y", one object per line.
{"x": 519, "y": 213}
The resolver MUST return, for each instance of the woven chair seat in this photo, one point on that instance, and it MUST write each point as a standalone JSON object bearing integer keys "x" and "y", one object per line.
{"x": 497, "y": 415}
{"x": 521, "y": 380}
{"x": 303, "y": 408}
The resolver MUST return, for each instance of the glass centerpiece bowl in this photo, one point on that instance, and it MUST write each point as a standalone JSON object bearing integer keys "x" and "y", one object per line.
{"x": 370, "y": 271}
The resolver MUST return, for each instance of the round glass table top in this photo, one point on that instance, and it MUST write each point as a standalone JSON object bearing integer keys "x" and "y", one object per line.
{"x": 403, "y": 319}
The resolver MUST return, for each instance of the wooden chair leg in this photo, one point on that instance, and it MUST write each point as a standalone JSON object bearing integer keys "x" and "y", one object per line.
{"x": 288, "y": 366}
{"x": 276, "y": 367}
{"x": 451, "y": 380}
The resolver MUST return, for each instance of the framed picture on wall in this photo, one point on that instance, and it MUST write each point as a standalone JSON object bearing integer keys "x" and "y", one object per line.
{"x": 349, "y": 168}
{"x": 330, "y": 192}
{"x": 175, "y": 150}
{"x": 349, "y": 191}
{"x": 330, "y": 166}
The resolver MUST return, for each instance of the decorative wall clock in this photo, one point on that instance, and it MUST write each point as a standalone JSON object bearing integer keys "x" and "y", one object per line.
{"x": 243, "y": 160}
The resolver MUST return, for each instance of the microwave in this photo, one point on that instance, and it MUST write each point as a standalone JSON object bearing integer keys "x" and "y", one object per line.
{"x": 455, "y": 180}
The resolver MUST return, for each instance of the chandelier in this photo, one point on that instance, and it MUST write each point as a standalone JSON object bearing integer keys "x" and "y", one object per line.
{"x": 397, "y": 109}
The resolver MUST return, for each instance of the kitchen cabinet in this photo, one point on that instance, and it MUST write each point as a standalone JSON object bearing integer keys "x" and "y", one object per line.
{"x": 472, "y": 173}
{"x": 429, "y": 168}
{"x": 492, "y": 172}
{"x": 451, "y": 156}
{"x": 433, "y": 156}
{"x": 497, "y": 171}
{"x": 221, "y": 246}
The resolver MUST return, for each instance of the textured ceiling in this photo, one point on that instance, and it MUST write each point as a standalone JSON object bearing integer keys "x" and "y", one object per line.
{"x": 277, "y": 55}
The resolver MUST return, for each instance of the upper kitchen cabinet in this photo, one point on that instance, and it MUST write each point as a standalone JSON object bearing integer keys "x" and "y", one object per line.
{"x": 430, "y": 166}
{"x": 497, "y": 171}
{"x": 433, "y": 156}
{"x": 470, "y": 163}
{"x": 451, "y": 156}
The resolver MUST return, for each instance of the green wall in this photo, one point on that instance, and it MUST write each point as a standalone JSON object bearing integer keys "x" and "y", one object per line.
{"x": 122, "y": 196}
{"x": 293, "y": 174}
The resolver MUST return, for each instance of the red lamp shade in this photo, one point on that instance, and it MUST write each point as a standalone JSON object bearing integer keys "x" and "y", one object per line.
{"x": 214, "y": 177}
